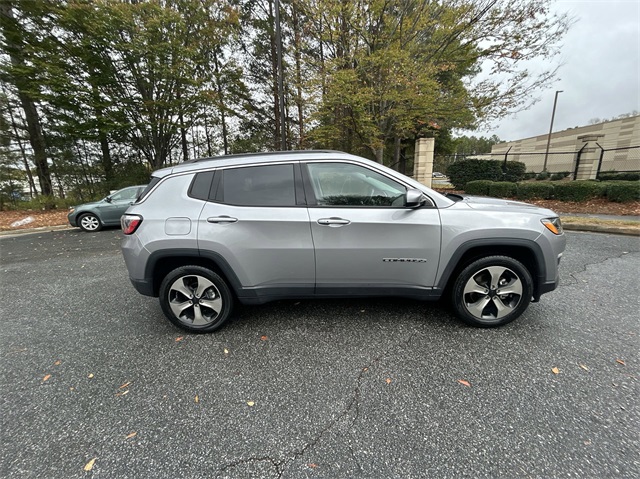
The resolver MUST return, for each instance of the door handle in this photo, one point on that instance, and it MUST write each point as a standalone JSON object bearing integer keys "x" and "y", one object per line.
{"x": 221, "y": 219}
{"x": 333, "y": 222}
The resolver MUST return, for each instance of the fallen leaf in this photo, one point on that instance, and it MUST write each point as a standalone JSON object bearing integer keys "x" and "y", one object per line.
{"x": 197, "y": 399}
{"x": 125, "y": 385}
{"x": 226, "y": 351}
{"x": 130, "y": 435}
{"x": 263, "y": 338}
{"x": 122, "y": 393}
{"x": 89, "y": 465}
{"x": 90, "y": 376}
{"x": 365, "y": 369}
{"x": 362, "y": 310}
{"x": 179, "y": 338}
{"x": 620, "y": 361}
{"x": 464, "y": 383}
{"x": 555, "y": 371}
{"x": 584, "y": 367}
{"x": 296, "y": 304}
{"x": 46, "y": 378}
{"x": 388, "y": 380}
{"x": 313, "y": 465}
{"x": 250, "y": 403}
{"x": 57, "y": 363}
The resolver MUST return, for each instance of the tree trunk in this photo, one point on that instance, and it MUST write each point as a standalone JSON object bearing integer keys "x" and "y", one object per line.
{"x": 221, "y": 106}
{"x": 13, "y": 41}
{"x": 23, "y": 154}
{"x": 274, "y": 75}
{"x": 298, "y": 57}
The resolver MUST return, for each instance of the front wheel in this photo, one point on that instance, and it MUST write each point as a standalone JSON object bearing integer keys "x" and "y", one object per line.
{"x": 195, "y": 299}
{"x": 89, "y": 223}
{"x": 492, "y": 291}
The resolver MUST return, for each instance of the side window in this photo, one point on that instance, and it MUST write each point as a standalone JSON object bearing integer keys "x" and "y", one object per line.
{"x": 344, "y": 184}
{"x": 126, "y": 194}
{"x": 201, "y": 185}
{"x": 271, "y": 185}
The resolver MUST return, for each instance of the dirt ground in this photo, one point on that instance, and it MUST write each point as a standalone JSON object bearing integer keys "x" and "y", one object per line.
{"x": 35, "y": 219}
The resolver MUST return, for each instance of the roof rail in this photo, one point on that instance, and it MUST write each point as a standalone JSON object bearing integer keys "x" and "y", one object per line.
{"x": 267, "y": 153}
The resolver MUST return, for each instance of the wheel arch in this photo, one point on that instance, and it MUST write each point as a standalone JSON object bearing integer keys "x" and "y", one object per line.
{"x": 527, "y": 252}
{"x": 163, "y": 262}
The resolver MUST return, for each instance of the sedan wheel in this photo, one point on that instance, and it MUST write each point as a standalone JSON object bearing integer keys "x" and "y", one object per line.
{"x": 90, "y": 223}
{"x": 196, "y": 299}
{"x": 492, "y": 291}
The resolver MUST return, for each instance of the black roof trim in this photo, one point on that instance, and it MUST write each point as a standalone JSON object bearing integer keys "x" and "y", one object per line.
{"x": 267, "y": 153}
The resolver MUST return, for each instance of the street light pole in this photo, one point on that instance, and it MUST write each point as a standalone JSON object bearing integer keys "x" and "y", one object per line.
{"x": 553, "y": 114}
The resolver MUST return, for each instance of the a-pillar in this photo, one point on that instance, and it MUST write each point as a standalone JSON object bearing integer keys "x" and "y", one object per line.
{"x": 423, "y": 161}
{"x": 589, "y": 156}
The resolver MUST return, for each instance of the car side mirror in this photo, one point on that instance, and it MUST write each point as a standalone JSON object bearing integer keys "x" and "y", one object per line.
{"x": 414, "y": 198}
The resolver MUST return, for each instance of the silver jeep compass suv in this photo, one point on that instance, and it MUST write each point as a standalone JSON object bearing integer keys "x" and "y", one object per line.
{"x": 315, "y": 224}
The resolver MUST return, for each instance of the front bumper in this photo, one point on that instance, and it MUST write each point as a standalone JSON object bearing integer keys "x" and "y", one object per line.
{"x": 72, "y": 217}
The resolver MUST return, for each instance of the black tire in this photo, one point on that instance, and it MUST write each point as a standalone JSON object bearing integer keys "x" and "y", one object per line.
{"x": 476, "y": 292}
{"x": 89, "y": 222}
{"x": 196, "y": 299}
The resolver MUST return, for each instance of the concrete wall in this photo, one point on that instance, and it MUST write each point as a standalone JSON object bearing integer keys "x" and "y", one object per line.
{"x": 623, "y": 133}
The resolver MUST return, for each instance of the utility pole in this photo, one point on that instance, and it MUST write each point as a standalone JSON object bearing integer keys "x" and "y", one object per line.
{"x": 553, "y": 114}
{"x": 283, "y": 127}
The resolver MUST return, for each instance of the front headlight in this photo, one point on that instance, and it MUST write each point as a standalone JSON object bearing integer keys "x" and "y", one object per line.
{"x": 553, "y": 224}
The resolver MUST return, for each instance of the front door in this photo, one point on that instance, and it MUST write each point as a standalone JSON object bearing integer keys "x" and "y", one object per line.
{"x": 365, "y": 239}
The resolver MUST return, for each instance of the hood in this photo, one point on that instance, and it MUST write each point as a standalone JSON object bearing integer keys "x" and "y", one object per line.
{"x": 89, "y": 205}
{"x": 498, "y": 204}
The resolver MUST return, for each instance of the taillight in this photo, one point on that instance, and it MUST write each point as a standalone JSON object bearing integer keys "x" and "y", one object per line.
{"x": 130, "y": 223}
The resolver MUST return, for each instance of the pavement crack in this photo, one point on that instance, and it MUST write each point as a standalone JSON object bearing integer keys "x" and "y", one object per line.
{"x": 277, "y": 465}
{"x": 586, "y": 265}
{"x": 353, "y": 404}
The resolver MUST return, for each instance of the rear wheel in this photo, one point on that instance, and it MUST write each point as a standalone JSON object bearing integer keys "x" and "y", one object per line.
{"x": 492, "y": 291}
{"x": 195, "y": 299}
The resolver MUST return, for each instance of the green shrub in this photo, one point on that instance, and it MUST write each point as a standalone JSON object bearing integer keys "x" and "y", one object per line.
{"x": 514, "y": 171}
{"x": 542, "y": 176}
{"x": 559, "y": 176}
{"x": 503, "y": 189}
{"x": 612, "y": 175}
{"x": 577, "y": 190}
{"x": 621, "y": 192}
{"x": 542, "y": 190}
{"x": 478, "y": 187}
{"x": 463, "y": 171}
{"x": 529, "y": 175}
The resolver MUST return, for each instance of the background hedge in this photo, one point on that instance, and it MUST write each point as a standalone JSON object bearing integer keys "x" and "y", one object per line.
{"x": 621, "y": 192}
{"x": 503, "y": 189}
{"x": 542, "y": 190}
{"x": 463, "y": 171}
{"x": 618, "y": 191}
{"x": 478, "y": 187}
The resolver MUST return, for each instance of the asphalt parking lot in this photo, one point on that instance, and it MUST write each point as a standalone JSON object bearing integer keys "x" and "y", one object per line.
{"x": 94, "y": 377}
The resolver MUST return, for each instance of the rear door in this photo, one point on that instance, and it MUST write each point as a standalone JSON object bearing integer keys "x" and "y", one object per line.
{"x": 365, "y": 239}
{"x": 257, "y": 221}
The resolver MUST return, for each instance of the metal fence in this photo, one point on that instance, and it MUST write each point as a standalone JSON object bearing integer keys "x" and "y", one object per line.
{"x": 611, "y": 160}
{"x": 619, "y": 160}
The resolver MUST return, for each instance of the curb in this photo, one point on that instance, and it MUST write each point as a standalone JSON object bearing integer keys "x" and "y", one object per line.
{"x": 27, "y": 231}
{"x": 617, "y": 230}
